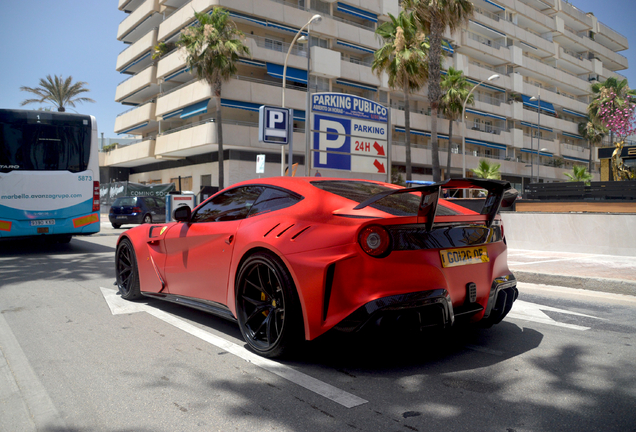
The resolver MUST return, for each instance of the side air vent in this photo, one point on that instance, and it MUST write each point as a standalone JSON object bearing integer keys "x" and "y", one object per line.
{"x": 300, "y": 232}
{"x": 328, "y": 285}
{"x": 283, "y": 231}
{"x": 272, "y": 229}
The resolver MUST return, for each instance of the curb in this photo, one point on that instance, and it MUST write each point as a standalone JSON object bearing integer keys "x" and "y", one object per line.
{"x": 615, "y": 286}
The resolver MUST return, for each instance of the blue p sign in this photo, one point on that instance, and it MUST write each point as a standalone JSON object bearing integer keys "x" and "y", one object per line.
{"x": 273, "y": 125}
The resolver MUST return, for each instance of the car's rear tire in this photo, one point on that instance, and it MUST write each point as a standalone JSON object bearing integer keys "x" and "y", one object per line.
{"x": 147, "y": 219}
{"x": 126, "y": 270}
{"x": 116, "y": 225}
{"x": 267, "y": 306}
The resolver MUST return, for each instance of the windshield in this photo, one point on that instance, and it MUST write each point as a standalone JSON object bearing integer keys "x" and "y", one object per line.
{"x": 40, "y": 140}
{"x": 404, "y": 204}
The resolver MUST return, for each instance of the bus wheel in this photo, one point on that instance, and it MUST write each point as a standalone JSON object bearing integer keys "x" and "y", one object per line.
{"x": 64, "y": 239}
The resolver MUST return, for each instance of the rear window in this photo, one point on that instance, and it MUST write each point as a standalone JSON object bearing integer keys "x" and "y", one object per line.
{"x": 125, "y": 201}
{"x": 405, "y": 204}
{"x": 39, "y": 140}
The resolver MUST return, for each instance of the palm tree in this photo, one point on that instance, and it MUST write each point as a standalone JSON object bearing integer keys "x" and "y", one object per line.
{"x": 434, "y": 16}
{"x": 403, "y": 58}
{"x": 213, "y": 47}
{"x": 58, "y": 91}
{"x": 486, "y": 170}
{"x": 456, "y": 89}
{"x": 594, "y": 134}
{"x": 579, "y": 174}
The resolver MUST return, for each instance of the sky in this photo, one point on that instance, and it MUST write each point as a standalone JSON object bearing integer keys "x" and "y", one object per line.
{"x": 79, "y": 38}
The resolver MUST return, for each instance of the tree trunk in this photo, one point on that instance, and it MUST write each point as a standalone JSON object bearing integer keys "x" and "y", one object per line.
{"x": 589, "y": 166}
{"x": 434, "y": 91}
{"x": 450, "y": 140}
{"x": 219, "y": 133}
{"x": 407, "y": 132}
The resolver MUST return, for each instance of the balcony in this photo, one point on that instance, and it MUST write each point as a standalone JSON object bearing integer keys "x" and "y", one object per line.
{"x": 547, "y": 72}
{"x": 550, "y": 94}
{"x": 138, "y": 120}
{"x": 574, "y": 62}
{"x": 483, "y": 49}
{"x": 140, "y": 22}
{"x": 141, "y": 153}
{"x": 611, "y": 38}
{"x": 138, "y": 88}
{"x": 574, "y": 151}
{"x": 201, "y": 137}
{"x": 581, "y": 41}
{"x": 129, "y": 6}
{"x": 137, "y": 56}
{"x": 574, "y": 17}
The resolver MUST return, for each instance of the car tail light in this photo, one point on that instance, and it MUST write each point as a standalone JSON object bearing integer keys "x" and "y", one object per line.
{"x": 95, "y": 196}
{"x": 136, "y": 209}
{"x": 375, "y": 241}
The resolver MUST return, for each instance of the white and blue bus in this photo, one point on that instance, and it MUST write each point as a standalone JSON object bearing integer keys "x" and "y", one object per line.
{"x": 49, "y": 175}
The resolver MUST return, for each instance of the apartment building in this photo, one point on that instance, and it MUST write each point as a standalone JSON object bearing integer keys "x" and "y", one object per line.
{"x": 544, "y": 51}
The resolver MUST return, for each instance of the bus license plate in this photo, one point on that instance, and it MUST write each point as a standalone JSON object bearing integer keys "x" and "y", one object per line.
{"x": 43, "y": 222}
{"x": 463, "y": 256}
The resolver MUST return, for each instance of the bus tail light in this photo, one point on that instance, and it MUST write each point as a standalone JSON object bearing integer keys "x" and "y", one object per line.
{"x": 95, "y": 196}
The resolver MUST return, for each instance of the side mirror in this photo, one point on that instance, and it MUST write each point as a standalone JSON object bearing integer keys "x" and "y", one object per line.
{"x": 182, "y": 214}
{"x": 509, "y": 197}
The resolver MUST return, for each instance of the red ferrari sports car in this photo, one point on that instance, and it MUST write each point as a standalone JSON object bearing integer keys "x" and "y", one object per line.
{"x": 290, "y": 258}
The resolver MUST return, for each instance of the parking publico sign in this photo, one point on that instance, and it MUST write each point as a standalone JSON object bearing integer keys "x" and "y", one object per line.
{"x": 349, "y": 133}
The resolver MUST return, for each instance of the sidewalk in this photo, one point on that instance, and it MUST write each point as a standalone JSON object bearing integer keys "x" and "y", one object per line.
{"x": 607, "y": 273}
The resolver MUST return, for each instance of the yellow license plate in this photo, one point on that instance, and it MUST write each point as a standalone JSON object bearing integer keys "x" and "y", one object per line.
{"x": 463, "y": 256}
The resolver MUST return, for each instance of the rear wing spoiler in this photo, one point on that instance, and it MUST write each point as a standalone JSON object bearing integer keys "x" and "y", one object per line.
{"x": 500, "y": 194}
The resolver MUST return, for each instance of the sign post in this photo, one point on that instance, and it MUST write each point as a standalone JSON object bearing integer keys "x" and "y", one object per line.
{"x": 350, "y": 133}
{"x": 275, "y": 126}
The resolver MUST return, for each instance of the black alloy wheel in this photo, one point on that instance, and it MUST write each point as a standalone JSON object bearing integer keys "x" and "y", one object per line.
{"x": 147, "y": 219}
{"x": 126, "y": 270}
{"x": 268, "y": 309}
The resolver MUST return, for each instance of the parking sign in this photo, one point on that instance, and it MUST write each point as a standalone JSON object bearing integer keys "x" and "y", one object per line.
{"x": 274, "y": 125}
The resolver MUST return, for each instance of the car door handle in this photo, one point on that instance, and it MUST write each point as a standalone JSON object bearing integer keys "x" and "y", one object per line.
{"x": 229, "y": 240}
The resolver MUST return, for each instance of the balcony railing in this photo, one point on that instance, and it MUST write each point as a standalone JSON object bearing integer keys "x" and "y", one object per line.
{"x": 213, "y": 120}
{"x": 487, "y": 99}
{"x": 483, "y": 40}
{"x": 270, "y": 44}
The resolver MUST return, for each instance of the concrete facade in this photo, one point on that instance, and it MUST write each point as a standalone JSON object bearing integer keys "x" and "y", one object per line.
{"x": 541, "y": 48}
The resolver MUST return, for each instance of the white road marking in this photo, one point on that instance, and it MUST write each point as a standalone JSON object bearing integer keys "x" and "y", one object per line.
{"x": 23, "y": 395}
{"x": 118, "y": 306}
{"x": 534, "y": 312}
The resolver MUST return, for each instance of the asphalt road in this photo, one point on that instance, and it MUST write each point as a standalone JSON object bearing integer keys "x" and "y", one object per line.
{"x": 74, "y": 358}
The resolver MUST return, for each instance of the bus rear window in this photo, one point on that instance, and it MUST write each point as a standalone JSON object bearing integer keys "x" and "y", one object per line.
{"x": 41, "y": 141}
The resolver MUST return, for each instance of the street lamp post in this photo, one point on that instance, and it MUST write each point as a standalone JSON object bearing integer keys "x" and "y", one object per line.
{"x": 315, "y": 18}
{"x": 536, "y": 98}
{"x": 491, "y": 78}
{"x": 308, "y": 109}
